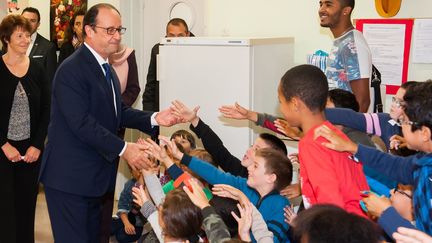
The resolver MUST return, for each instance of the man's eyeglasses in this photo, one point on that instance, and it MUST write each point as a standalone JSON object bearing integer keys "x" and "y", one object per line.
{"x": 112, "y": 30}
{"x": 397, "y": 102}
{"x": 401, "y": 192}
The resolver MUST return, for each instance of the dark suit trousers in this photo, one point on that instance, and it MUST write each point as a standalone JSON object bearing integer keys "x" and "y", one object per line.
{"x": 108, "y": 204}
{"x": 18, "y": 190}
{"x": 106, "y": 220}
{"x": 74, "y": 218}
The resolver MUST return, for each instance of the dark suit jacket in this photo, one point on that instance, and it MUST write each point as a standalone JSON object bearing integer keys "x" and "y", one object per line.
{"x": 150, "y": 98}
{"x": 65, "y": 51}
{"x": 44, "y": 52}
{"x": 82, "y": 136}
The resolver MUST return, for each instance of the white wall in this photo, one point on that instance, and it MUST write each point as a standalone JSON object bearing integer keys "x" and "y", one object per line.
{"x": 300, "y": 20}
{"x": 259, "y": 18}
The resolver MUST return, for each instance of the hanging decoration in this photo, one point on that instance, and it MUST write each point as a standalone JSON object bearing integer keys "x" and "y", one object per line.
{"x": 387, "y": 8}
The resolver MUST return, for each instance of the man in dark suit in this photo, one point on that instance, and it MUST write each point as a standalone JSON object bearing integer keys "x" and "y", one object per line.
{"x": 40, "y": 49}
{"x": 176, "y": 27}
{"x": 78, "y": 166}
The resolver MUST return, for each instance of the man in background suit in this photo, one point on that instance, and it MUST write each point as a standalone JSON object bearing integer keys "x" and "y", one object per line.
{"x": 40, "y": 49}
{"x": 79, "y": 164}
{"x": 176, "y": 27}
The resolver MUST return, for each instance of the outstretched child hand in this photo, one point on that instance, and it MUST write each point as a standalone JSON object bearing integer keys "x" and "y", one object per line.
{"x": 185, "y": 113}
{"x": 223, "y": 190}
{"x": 335, "y": 141}
{"x": 157, "y": 151}
{"x": 171, "y": 146}
{"x": 140, "y": 196}
{"x": 244, "y": 221}
{"x": 238, "y": 112}
{"x": 196, "y": 195}
{"x": 287, "y": 130}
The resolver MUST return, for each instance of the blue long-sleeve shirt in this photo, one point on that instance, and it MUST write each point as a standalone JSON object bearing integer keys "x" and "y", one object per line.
{"x": 379, "y": 124}
{"x": 397, "y": 168}
{"x": 390, "y": 220}
{"x": 270, "y": 206}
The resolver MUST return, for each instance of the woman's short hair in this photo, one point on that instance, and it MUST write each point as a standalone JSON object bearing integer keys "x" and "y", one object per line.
{"x": 181, "y": 218}
{"x": 9, "y": 24}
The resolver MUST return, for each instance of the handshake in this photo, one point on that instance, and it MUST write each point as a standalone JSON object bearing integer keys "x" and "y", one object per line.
{"x": 144, "y": 153}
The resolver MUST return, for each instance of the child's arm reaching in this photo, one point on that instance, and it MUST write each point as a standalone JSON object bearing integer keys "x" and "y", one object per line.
{"x": 153, "y": 186}
{"x": 148, "y": 210}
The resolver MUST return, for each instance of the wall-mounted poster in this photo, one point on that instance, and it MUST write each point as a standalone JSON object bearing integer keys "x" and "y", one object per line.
{"x": 61, "y": 13}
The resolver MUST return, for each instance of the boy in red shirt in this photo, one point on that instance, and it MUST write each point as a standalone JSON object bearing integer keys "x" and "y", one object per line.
{"x": 326, "y": 176}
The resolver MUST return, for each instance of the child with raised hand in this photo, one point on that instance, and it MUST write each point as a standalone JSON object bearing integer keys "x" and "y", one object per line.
{"x": 326, "y": 175}
{"x": 214, "y": 226}
{"x": 270, "y": 172}
{"x": 177, "y": 217}
{"x": 250, "y": 219}
{"x": 400, "y": 199}
{"x": 213, "y": 144}
{"x": 383, "y": 125}
{"x": 414, "y": 170}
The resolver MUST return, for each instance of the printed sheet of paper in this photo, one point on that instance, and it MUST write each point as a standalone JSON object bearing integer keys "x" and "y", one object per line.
{"x": 386, "y": 42}
{"x": 422, "y": 41}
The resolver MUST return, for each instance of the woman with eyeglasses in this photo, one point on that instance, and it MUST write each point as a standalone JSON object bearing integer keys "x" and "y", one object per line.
{"x": 24, "y": 109}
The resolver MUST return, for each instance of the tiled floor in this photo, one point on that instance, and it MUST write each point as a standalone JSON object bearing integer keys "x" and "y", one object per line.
{"x": 43, "y": 233}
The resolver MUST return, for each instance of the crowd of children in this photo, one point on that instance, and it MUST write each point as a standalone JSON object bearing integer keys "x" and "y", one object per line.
{"x": 339, "y": 201}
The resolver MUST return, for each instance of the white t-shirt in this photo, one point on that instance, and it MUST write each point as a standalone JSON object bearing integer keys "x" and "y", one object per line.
{"x": 349, "y": 59}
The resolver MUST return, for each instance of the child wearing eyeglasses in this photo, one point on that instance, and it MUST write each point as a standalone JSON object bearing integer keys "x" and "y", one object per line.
{"x": 400, "y": 199}
{"x": 416, "y": 170}
{"x": 383, "y": 125}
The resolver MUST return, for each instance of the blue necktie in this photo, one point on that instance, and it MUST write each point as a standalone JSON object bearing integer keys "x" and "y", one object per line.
{"x": 108, "y": 74}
